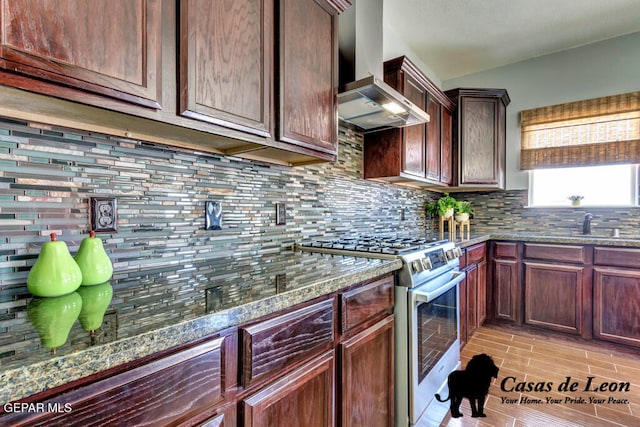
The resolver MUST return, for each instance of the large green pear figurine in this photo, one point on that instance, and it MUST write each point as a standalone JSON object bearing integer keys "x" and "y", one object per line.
{"x": 95, "y": 301}
{"x": 93, "y": 261}
{"x": 55, "y": 272}
{"x": 53, "y": 318}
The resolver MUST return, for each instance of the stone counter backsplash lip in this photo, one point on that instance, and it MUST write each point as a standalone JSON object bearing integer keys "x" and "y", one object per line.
{"x": 24, "y": 381}
{"x": 582, "y": 239}
{"x": 546, "y": 238}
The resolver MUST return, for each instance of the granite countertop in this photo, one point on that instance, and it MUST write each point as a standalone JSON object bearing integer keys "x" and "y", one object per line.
{"x": 157, "y": 309}
{"x": 153, "y": 310}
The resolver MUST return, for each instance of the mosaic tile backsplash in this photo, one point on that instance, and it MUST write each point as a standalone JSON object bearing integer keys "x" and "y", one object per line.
{"x": 47, "y": 178}
{"x": 502, "y": 211}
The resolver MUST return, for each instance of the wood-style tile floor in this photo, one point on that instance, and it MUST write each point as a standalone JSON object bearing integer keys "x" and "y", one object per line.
{"x": 539, "y": 358}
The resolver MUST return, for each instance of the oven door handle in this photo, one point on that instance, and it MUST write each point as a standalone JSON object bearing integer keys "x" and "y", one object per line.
{"x": 421, "y": 296}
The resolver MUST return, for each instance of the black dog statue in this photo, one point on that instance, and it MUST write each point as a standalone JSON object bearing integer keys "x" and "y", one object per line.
{"x": 472, "y": 383}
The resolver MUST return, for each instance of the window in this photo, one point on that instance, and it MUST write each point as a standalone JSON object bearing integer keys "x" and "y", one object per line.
{"x": 610, "y": 185}
{"x": 587, "y": 148}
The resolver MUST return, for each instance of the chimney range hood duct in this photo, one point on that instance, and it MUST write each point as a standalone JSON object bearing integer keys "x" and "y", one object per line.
{"x": 368, "y": 102}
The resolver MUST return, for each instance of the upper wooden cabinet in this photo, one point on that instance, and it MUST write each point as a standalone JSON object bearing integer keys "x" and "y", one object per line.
{"x": 108, "y": 47}
{"x": 419, "y": 154}
{"x": 226, "y": 63}
{"x": 479, "y": 138}
{"x": 229, "y": 73}
{"x": 250, "y": 78}
{"x": 308, "y": 75}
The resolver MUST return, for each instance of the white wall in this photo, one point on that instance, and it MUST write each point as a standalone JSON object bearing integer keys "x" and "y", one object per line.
{"x": 600, "y": 69}
{"x": 394, "y": 46}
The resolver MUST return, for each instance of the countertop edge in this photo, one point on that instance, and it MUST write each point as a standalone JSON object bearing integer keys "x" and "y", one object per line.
{"x": 22, "y": 382}
{"x": 524, "y": 237}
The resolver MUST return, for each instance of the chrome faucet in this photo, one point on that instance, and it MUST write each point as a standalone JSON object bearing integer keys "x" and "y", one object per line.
{"x": 586, "y": 225}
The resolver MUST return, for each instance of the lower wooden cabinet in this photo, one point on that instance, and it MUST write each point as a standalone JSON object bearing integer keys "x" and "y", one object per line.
{"x": 310, "y": 365}
{"x": 169, "y": 390}
{"x": 506, "y": 287}
{"x": 303, "y": 398}
{"x": 473, "y": 291}
{"x": 481, "y": 310}
{"x": 582, "y": 290}
{"x": 616, "y": 305}
{"x": 553, "y": 296}
{"x": 366, "y": 395}
{"x": 472, "y": 299}
{"x": 462, "y": 302}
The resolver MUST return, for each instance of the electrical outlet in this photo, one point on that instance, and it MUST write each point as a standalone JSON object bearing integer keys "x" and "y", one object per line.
{"x": 213, "y": 299}
{"x": 281, "y": 283}
{"x": 104, "y": 214}
{"x": 281, "y": 213}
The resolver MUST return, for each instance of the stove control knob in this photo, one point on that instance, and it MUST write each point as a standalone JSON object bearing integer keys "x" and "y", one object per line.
{"x": 458, "y": 252}
{"x": 417, "y": 266}
{"x": 451, "y": 254}
{"x": 426, "y": 263}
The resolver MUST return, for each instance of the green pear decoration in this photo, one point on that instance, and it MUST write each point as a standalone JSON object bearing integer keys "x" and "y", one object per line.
{"x": 95, "y": 301}
{"x": 93, "y": 261}
{"x": 53, "y": 318}
{"x": 55, "y": 272}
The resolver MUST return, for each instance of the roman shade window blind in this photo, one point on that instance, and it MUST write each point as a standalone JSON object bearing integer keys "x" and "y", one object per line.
{"x": 601, "y": 131}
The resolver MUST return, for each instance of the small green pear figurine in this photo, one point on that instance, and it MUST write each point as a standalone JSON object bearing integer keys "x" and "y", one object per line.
{"x": 95, "y": 301}
{"x": 93, "y": 261}
{"x": 53, "y": 318}
{"x": 55, "y": 272}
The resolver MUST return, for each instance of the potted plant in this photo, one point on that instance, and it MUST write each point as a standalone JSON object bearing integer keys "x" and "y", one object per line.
{"x": 463, "y": 210}
{"x": 431, "y": 210}
{"x": 575, "y": 199}
{"x": 446, "y": 205}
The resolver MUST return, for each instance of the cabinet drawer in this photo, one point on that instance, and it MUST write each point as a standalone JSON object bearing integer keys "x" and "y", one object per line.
{"x": 476, "y": 253}
{"x": 365, "y": 302}
{"x": 270, "y": 346}
{"x": 618, "y": 257}
{"x": 161, "y": 392}
{"x": 505, "y": 250}
{"x": 463, "y": 259}
{"x": 560, "y": 253}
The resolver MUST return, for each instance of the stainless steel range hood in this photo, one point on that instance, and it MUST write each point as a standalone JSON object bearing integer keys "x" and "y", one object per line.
{"x": 372, "y": 105}
{"x": 364, "y": 100}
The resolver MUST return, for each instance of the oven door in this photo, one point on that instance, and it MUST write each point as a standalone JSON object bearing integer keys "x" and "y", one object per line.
{"x": 434, "y": 344}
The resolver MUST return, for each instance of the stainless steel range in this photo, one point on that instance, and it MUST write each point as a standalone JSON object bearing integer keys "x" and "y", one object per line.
{"x": 427, "y": 315}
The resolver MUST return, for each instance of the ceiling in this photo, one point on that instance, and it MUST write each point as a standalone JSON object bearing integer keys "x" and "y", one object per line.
{"x": 459, "y": 37}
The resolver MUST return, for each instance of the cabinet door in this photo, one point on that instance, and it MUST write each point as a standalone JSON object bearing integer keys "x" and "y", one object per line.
{"x": 166, "y": 391}
{"x": 462, "y": 291}
{"x": 616, "y": 303}
{"x": 482, "y": 293}
{"x": 307, "y": 90}
{"x": 478, "y": 146}
{"x": 553, "y": 296}
{"x": 505, "y": 289}
{"x": 413, "y": 144}
{"x": 433, "y": 144}
{"x": 366, "y": 390}
{"x": 109, "y": 47}
{"x": 304, "y": 398}
{"x": 226, "y": 63}
{"x": 446, "y": 158}
{"x": 472, "y": 300}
